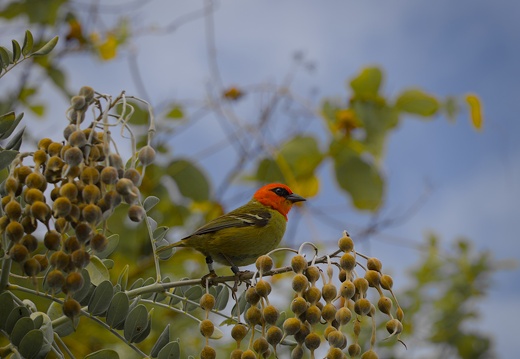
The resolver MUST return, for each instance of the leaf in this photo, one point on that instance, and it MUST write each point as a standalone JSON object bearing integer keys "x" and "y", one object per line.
{"x": 137, "y": 284}
{"x": 28, "y": 43}
{"x": 417, "y": 102}
{"x": 175, "y": 113}
{"x": 109, "y": 263}
{"x": 97, "y": 271}
{"x": 150, "y": 202}
{"x": 193, "y": 294}
{"x": 160, "y": 233}
{"x": 83, "y": 293}
{"x": 100, "y": 300}
{"x": 359, "y": 178}
{"x": 147, "y": 282}
{"x": 161, "y": 342}
{"x": 222, "y": 297}
{"x": 31, "y": 344}
{"x": 58, "y": 78}
{"x": 475, "y": 111}
{"x": 16, "y": 314}
{"x": 6, "y": 306}
{"x": 122, "y": 280}
{"x": 17, "y": 51}
{"x": 43, "y": 322}
{"x": 118, "y": 309}
{"x": 8, "y": 124}
{"x": 136, "y": 322}
{"x": 103, "y": 354}
{"x": 190, "y": 180}
{"x": 113, "y": 242}
{"x": 160, "y": 296}
{"x": 172, "y": 350}
{"x": 45, "y": 49}
{"x": 367, "y": 83}
{"x": 21, "y": 328}
{"x": 16, "y": 141}
{"x": 144, "y": 334}
{"x": 4, "y": 57}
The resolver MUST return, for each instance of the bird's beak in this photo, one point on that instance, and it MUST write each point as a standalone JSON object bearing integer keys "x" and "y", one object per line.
{"x": 293, "y": 197}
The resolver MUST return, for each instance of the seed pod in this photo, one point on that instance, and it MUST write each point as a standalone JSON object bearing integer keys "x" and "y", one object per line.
{"x": 136, "y": 213}
{"x": 29, "y": 226}
{"x": 260, "y": 345}
{"x": 343, "y": 316}
{"x": 44, "y": 143}
{"x": 71, "y": 308}
{"x": 61, "y": 207}
{"x": 291, "y": 326}
{"x": 354, "y": 350}
{"x": 13, "y": 210}
{"x": 32, "y": 195}
{"x": 99, "y": 242}
{"x": 312, "y": 341}
{"x": 394, "y": 326}
{"x": 374, "y": 264}
{"x": 115, "y": 161}
{"x": 109, "y": 175}
{"x": 52, "y": 240}
{"x": 41, "y": 211}
{"x": 263, "y": 288}
{"x": 239, "y": 332}
{"x": 31, "y": 267}
{"x": 248, "y": 354}
{"x": 14, "y": 231}
{"x": 133, "y": 175}
{"x": 347, "y": 261}
{"x": 270, "y": 314}
{"x": 337, "y": 339}
{"x": 30, "y": 242}
{"x": 22, "y": 172}
{"x": 313, "y": 314}
{"x": 208, "y": 353}
{"x": 206, "y": 328}
{"x": 345, "y": 243}
{"x": 78, "y": 103}
{"x": 91, "y": 193}
{"x": 80, "y": 258}
{"x": 302, "y": 333}
{"x": 11, "y": 185}
{"x": 399, "y": 314}
{"x": 347, "y": 289}
{"x": 298, "y": 263}
{"x": 313, "y": 274}
{"x": 71, "y": 244}
{"x": 264, "y": 263}
{"x": 69, "y": 191}
{"x": 253, "y": 316}
{"x": 386, "y": 282}
{"x": 361, "y": 285}
{"x": 237, "y": 354}
{"x": 300, "y": 283}
{"x": 78, "y": 139}
{"x": 61, "y": 225}
{"x": 146, "y": 155}
{"x": 370, "y": 354}
{"x": 55, "y": 164}
{"x": 43, "y": 260}
{"x": 313, "y": 295}
{"x": 373, "y": 278}
{"x": 297, "y": 352}
{"x": 124, "y": 186}
{"x": 362, "y": 306}
{"x": 91, "y": 214}
{"x": 112, "y": 199}
{"x": 328, "y": 312}
{"x": 384, "y": 304}
{"x": 73, "y": 156}
{"x": 60, "y": 260}
{"x": 274, "y": 335}
{"x": 18, "y": 253}
{"x": 90, "y": 175}
{"x": 55, "y": 279}
{"x": 87, "y": 92}
{"x": 73, "y": 282}
{"x": 329, "y": 292}
{"x": 207, "y": 301}
{"x": 54, "y": 150}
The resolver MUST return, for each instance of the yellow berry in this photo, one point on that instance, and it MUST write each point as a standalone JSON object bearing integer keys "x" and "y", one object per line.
{"x": 298, "y": 263}
{"x": 300, "y": 283}
{"x": 206, "y": 328}
{"x": 71, "y": 308}
{"x": 270, "y": 314}
{"x": 291, "y": 326}
{"x": 264, "y": 264}
{"x": 274, "y": 335}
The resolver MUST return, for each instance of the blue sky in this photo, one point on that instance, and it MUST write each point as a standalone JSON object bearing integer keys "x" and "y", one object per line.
{"x": 445, "y": 47}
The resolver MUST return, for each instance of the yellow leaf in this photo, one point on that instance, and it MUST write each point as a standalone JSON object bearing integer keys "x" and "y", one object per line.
{"x": 306, "y": 187}
{"x": 233, "y": 93}
{"x": 475, "y": 111}
{"x": 108, "y": 49}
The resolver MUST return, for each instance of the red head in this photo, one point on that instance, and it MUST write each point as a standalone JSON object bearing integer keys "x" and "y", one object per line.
{"x": 277, "y": 196}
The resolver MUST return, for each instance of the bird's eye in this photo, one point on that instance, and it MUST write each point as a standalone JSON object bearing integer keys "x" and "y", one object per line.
{"x": 282, "y": 192}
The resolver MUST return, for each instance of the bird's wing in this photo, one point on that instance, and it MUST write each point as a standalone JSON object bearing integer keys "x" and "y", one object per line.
{"x": 251, "y": 218}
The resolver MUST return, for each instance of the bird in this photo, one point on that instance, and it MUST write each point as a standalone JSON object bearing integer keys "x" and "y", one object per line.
{"x": 239, "y": 237}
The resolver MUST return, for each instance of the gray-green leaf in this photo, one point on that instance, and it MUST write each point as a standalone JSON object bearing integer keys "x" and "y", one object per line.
{"x": 172, "y": 350}
{"x": 100, "y": 300}
{"x": 45, "y": 49}
{"x": 118, "y": 309}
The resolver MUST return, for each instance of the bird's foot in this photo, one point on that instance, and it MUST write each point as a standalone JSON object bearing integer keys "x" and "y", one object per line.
{"x": 207, "y": 280}
{"x": 241, "y": 277}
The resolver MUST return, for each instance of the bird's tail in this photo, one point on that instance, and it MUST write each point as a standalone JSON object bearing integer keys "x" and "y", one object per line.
{"x": 170, "y": 246}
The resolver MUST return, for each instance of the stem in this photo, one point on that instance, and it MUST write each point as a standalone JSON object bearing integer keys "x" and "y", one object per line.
{"x": 6, "y": 269}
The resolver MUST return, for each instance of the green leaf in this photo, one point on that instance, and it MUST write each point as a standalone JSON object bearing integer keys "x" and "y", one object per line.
{"x": 6, "y": 306}
{"x": 118, "y": 309}
{"x": 160, "y": 233}
{"x": 172, "y": 350}
{"x": 417, "y": 102}
{"x": 359, "y": 178}
{"x": 45, "y": 49}
{"x": 103, "y": 354}
{"x": 100, "y": 300}
{"x": 190, "y": 180}
{"x": 97, "y": 270}
{"x": 109, "y": 263}
{"x": 193, "y": 294}
{"x": 160, "y": 296}
{"x": 43, "y": 322}
{"x": 31, "y": 344}
{"x": 150, "y": 202}
{"x": 4, "y": 57}
{"x": 175, "y": 113}
{"x": 113, "y": 242}
{"x": 28, "y": 43}
{"x": 137, "y": 284}
{"x": 144, "y": 333}
{"x": 367, "y": 83}
{"x": 222, "y": 297}
{"x": 136, "y": 322}
{"x": 147, "y": 282}
{"x": 14, "y": 316}
{"x": 8, "y": 123}
{"x": 17, "y": 51}
{"x": 161, "y": 342}
{"x": 21, "y": 328}
{"x": 122, "y": 280}
{"x": 6, "y": 157}
{"x": 58, "y": 78}
{"x": 16, "y": 141}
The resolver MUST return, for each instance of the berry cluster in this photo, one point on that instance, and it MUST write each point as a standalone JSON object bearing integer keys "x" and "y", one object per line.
{"x": 84, "y": 181}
